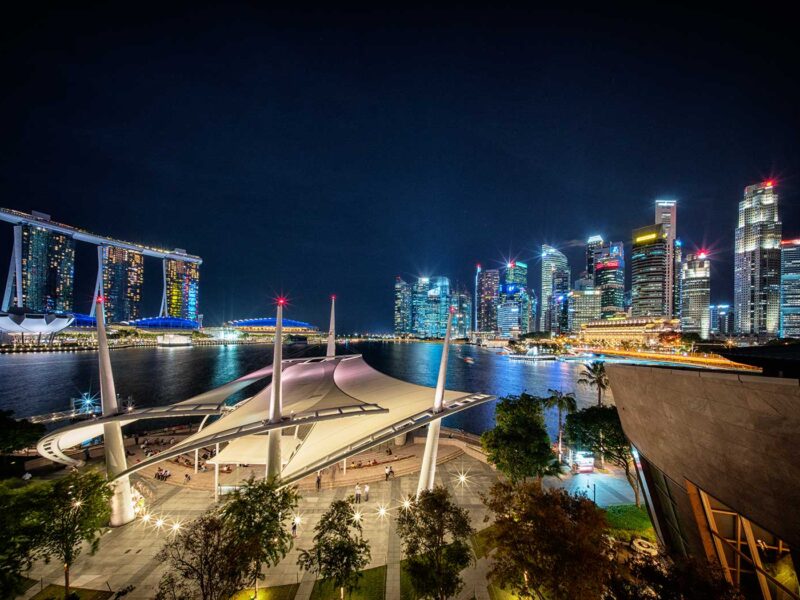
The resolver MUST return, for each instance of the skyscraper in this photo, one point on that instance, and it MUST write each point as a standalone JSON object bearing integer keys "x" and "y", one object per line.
{"x": 48, "y": 269}
{"x": 508, "y": 319}
{"x": 609, "y": 278}
{"x": 696, "y": 295}
{"x": 757, "y": 262}
{"x": 650, "y": 292}
{"x": 515, "y": 289}
{"x": 592, "y": 245}
{"x": 584, "y": 305}
{"x": 554, "y": 268}
{"x": 725, "y": 320}
{"x": 667, "y": 216}
{"x": 488, "y": 300}
{"x": 402, "y": 307}
{"x": 123, "y": 272}
{"x": 461, "y": 302}
{"x": 181, "y": 289}
{"x": 437, "y": 307}
{"x": 790, "y": 289}
{"x": 559, "y": 306}
{"x": 713, "y": 317}
{"x": 419, "y": 303}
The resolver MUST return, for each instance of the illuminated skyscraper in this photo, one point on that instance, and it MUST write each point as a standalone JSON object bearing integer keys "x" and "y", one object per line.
{"x": 757, "y": 262}
{"x": 508, "y": 319}
{"x": 437, "y": 307}
{"x": 402, "y": 307}
{"x": 461, "y": 302}
{"x": 584, "y": 305}
{"x": 696, "y": 295}
{"x": 650, "y": 292}
{"x": 123, "y": 272}
{"x": 609, "y": 278}
{"x": 515, "y": 289}
{"x": 790, "y": 289}
{"x": 48, "y": 269}
{"x": 667, "y": 216}
{"x": 592, "y": 245}
{"x": 181, "y": 289}
{"x": 554, "y": 268}
{"x": 488, "y": 299}
{"x": 559, "y": 305}
{"x": 419, "y": 303}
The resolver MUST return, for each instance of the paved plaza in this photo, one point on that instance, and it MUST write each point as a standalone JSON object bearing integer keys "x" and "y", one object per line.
{"x": 127, "y": 554}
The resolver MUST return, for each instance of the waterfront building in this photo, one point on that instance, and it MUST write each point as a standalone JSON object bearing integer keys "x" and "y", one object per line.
{"x": 419, "y": 302}
{"x": 555, "y": 268}
{"x": 650, "y": 292}
{"x": 181, "y": 288}
{"x": 592, "y": 245}
{"x": 402, "y": 307}
{"x": 488, "y": 299}
{"x": 696, "y": 295}
{"x": 437, "y": 307}
{"x": 790, "y": 289}
{"x": 461, "y": 303}
{"x": 643, "y": 331}
{"x": 267, "y": 325}
{"x": 609, "y": 277}
{"x": 757, "y": 262}
{"x": 515, "y": 289}
{"x": 508, "y": 319}
{"x": 48, "y": 269}
{"x": 123, "y": 272}
{"x": 584, "y": 306}
{"x": 667, "y": 217}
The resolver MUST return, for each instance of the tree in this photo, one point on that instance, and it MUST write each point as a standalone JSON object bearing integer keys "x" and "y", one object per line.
{"x": 565, "y": 403}
{"x": 74, "y": 511}
{"x": 21, "y": 527}
{"x": 203, "y": 560}
{"x": 16, "y": 435}
{"x": 435, "y": 534}
{"x": 260, "y": 514}
{"x": 598, "y": 429}
{"x": 594, "y": 375}
{"x": 340, "y": 552}
{"x": 519, "y": 444}
{"x": 549, "y": 544}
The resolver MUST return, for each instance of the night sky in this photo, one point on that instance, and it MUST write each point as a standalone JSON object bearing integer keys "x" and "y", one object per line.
{"x": 313, "y": 153}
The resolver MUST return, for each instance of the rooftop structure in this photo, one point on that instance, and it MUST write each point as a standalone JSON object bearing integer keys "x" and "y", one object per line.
{"x": 268, "y": 324}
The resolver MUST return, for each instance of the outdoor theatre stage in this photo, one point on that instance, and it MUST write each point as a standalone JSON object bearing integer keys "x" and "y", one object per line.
{"x": 333, "y": 408}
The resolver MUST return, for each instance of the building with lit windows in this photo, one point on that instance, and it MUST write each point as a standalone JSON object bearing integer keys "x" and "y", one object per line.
{"x": 515, "y": 289}
{"x": 644, "y": 331}
{"x": 790, "y": 289}
{"x": 584, "y": 306}
{"x": 609, "y": 277}
{"x": 437, "y": 307}
{"x": 508, "y": 319}
{"x": 461, "y": 303}
{"x": 650, "y": 291}
{"x": 123, "y": 273}
{"x": 667, "y": 217}
{"x": 696, "y": 295}
{"x": 592, "y": 245}
{"x": 721, "y": 319}
{"x": 757, "y": 263}
{"x": 266, "y": 326}
{"x": 402, "y": 307}
{"x": 419, "y": 302}
{"x": 488, "y": 300}
{"x": 555, "y": 270}
{"x": 182, "y": 289}
{"x": 48, "y": 270}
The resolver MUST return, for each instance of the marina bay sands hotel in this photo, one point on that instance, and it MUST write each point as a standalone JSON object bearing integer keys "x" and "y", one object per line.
{"x": 41, "y": 275}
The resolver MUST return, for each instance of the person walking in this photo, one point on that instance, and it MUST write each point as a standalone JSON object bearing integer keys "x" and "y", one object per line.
{"x": 386, "y": 472}
{"x": 358, "y": 493}
{"x": 294, "y": 529}
{"x": 319, "y": 480}
{"x": 366, "y": 492}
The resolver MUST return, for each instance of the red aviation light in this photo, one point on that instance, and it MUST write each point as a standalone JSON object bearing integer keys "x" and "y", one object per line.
{"x": 101, "y": 299}
{"x": 281, "y": 301}
{"x": 333, "y": 296}
{"x": 769, "y": 183}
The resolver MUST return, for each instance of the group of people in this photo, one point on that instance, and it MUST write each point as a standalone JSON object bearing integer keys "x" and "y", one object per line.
{"x": 358, "y": 493}
{"x": 388, "y": 472}
{"x": 163, "y": 474}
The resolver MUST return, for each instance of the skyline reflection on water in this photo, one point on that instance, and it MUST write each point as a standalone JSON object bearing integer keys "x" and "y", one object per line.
{"x": 32, "y": 384}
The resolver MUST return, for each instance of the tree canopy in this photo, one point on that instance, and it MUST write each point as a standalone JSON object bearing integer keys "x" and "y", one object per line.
{"x": 16, "y": 435}
{"x": 594, "y": 375}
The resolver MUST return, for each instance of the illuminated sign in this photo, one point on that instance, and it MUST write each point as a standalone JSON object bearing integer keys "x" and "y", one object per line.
{"x": 608, "y": 264}
{"x": 646, "y": 237}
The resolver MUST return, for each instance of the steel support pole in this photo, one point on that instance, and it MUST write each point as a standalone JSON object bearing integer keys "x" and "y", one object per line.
{"x": 273, "y": 466}
{"x": 331, "y": 352}
{"x": 18, "y": 263}
{"x": 98, "y": 284}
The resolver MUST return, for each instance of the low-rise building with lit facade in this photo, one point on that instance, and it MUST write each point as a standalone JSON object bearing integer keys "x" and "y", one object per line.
{"x": 642, "y": 331}
{"x": 266, "y": 326}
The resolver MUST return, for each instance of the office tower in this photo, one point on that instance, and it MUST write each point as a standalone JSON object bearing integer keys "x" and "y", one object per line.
{"x": 667, "y": 216}
{"x": 713, "y": 318}
{"x": 508, "y": 319}
{"x": 402, "y": 307}
{"x": 515, "y": 289}
{"x": 437, "y": 307}
{"x": 790, "y": 289}
{"x": 123, "y": 272}
{"x": 696, "y": 295}
{"x": 677, "y": 263}
{"x": 584, "y": 305}
{"x": 592, "y": 244}
{"x": 475, "y": 299}
{"x": 181, "y": 288}
{"x": 650, "y": 292}
{"x": 757, "y": 262}
{"x": 554, "y": 267}
{"x": 488, "y": 300}
{"x": 609, "y": 278}
{"x": 461, "y": 302}
{"x": 559, "y": 317}
{"x": 419, "y": 303}
{"x": 48, "y": 269}
{"x": 725, "y": 320}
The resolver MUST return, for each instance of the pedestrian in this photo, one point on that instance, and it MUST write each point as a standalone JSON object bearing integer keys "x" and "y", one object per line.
{"x": 391, "y": 473}
{"x": 294, "y": 529}
{"x": 366, "y": 492}
{"x": 386, "y": 472}
{"x": 319, "y": 480}
{"x": 358, "y": 493}
{"x": 187, "y": 478}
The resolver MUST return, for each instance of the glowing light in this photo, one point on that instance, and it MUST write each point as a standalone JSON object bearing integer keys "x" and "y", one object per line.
{"x": 281, "y": 301}
{"x": 646, "y": 237}
{"x": 159, "y": 523}
{"x": 146, "y": 518}
{"x": 382, "y": 511}
{"x": 462, "y": 478}
{"x": 511, "y": 265}
{"x": 176, "y": 526}
{"x": 703, "y": 254}
{"x": 297, "y": 520}
{"x": 357, "y": 516}
{"x": 406, "y": 504}
{"x": 77, "y": 503}
{"x": 333, "y": 296}
{"x": 769, "y": 183}
{"x": 100, "y": 299}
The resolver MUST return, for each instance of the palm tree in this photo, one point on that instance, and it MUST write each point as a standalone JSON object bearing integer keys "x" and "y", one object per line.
{"x": 565, "y": 403}
{"x": 594, "y": 375}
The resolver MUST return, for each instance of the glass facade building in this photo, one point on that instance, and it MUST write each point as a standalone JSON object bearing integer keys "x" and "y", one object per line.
{"x": 555, "y": 269}
{"x": 419, "y": 301}
{"x": 649, "y": 274}
{"x": 583, "y": 306}
{"x": 461, "y": 302}
{"x": 123, "y": 273}
{"x": 488, "y": 300}
{"x": 592, "y": 245}
{"x": 515, "y": 289}
{"x": 609, "y": 278}
{"x": 402, "y": 307}
{"x": 790, "y": 289}
{"x": 667, "y": 217}
{"x": 182, "y": 285}
{"x": 696, "y": 295}
{"x": 757, "y": 262}
{"x": 508, "y": 319}
{"x": 48, "y": 270}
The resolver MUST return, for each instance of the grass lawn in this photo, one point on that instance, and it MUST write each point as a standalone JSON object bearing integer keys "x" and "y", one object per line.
{"x": 56, "y": 592}
{"x": 277, "y": 592}
{"x": 481, "y": 543}
{"x": 371, "y": 586}
{"x": 628, "y": 521}
{"x": 496, "y": 593}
